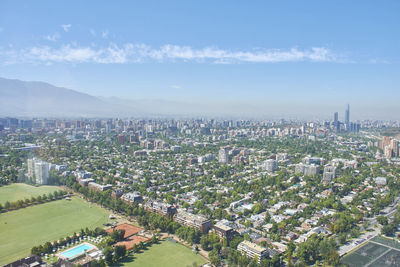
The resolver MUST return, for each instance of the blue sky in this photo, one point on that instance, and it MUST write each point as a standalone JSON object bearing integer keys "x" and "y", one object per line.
{"x": 295, "y": 56}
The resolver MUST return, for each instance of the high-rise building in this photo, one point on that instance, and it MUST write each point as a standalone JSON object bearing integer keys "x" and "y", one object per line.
{"x": 31, "y": 168}
{"x": 347, "y": 118}
{"x": 395, "y": 147}
{"x": 223, "y": 156}
{"x": 336, "y": 124}
{"x": 385, "y": 142}
{"x": 307, "y": 169}
{"x": 133, "y": 138}
{"x": 270, "y": 165}
{"x": 41, "y": 172}
{"x": 38, "y": 171}
{"x": 329, "y": 173}
{"x": 121, "y": 139}
{"x": 388, "y": 151}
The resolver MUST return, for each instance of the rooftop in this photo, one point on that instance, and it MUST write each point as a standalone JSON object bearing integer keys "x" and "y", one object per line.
{"x": 253, "y": 246}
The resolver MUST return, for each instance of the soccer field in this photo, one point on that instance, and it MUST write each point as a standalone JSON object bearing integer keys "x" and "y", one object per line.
{"x": 166, "y": 254}
{"x": 19, "y": 191}
{"x": 22, "y": 229}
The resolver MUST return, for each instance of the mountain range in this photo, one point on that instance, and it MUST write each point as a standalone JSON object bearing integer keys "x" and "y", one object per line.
{"x": 40, "y": 99}
{"x": 21, "y": 98}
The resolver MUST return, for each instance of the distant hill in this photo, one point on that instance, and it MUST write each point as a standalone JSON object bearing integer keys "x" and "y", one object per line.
{"x": 20, "y": 98}
{"x": 40, "y": 99}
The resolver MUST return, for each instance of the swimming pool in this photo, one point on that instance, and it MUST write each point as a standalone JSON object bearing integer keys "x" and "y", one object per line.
{"x": 76, "y": 251}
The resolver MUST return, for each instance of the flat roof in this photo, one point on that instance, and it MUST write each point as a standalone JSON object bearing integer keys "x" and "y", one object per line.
{"x": 253, "y": 246}
{"x": 223, "y": 227}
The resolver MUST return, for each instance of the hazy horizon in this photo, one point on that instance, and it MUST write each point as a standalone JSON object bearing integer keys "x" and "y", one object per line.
{"x": 280, "y": 59}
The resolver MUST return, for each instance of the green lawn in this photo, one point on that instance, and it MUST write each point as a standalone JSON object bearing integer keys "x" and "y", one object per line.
{"x": 22, "y": 229}
{"x": 166, "y": 254}
{"x": 19, "y": 191}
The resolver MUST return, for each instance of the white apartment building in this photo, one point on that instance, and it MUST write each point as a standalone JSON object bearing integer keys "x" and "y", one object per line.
{"x": 270, "y": 165}
{"x": 41, "y": 172}
{"x": 252, "y": 250}
{"x": 38, "y": 171}
{"x": 223, "y": 156}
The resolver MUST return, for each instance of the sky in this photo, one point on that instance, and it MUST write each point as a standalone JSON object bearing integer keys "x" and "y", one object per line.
{"x": 283, "y": 57}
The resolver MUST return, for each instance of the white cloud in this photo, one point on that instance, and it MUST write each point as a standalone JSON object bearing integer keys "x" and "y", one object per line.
{"x": 92, "y": 32}
{"x": 53, "y": 37}
{"x": 66, "y": 27}
{"x": 1, "y": 29}
{"x": 133, "y": 53}
{"x": 176, "y": 86}
{"x": 378, "y": 61}
{"x": 104, "y": 34}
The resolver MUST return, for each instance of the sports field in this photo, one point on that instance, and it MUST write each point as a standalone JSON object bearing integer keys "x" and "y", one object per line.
{"x": 166, "y": 254}
{"x": 379, "y": 252}
{"x": 20, "y": 191}
{"x": 22, "y": 229}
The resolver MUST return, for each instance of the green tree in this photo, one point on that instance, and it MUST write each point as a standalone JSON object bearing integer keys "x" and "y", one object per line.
{"x": 383, "y": 220}
{"x": 388, "y": 229}
{"x": 214, "y": 258}
{"x": 108, "y": 255}
{"x": 119, "y": 252}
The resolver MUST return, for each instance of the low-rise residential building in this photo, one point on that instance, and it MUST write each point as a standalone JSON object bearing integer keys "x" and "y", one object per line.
{"x": 223, "y": 231}
{"x": 84, "y": 182}
{"x": 252, "y": 250}
{"x": 199, "y": 222}
{"x": 132, "y": 197}
{"x": 380, "y": 180}
{"x": 99, "y": 187}
{"x": 160, "y": 207}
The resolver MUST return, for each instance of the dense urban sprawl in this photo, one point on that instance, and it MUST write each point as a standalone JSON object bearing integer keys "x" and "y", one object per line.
{"x": 247, "y": 192}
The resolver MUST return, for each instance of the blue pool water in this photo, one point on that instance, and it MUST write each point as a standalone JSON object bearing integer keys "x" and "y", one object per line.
{"x": 76, "y": 251}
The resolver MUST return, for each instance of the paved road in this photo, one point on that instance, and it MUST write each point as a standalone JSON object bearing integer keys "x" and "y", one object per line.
{"x": 364, "y": 237}
{"x": 352, "y": 245}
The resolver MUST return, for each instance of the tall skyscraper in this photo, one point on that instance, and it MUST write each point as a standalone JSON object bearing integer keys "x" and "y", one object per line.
{"x": 336, "y": 121}
{"x": 347, "y": 119}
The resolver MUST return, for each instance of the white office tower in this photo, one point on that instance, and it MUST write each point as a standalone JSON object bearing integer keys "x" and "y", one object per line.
{"x": 31, "y": 168}
{"x": 270, "y": 165}
{"x": 223, "y": 156}
{"x": 41, "y": 172}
